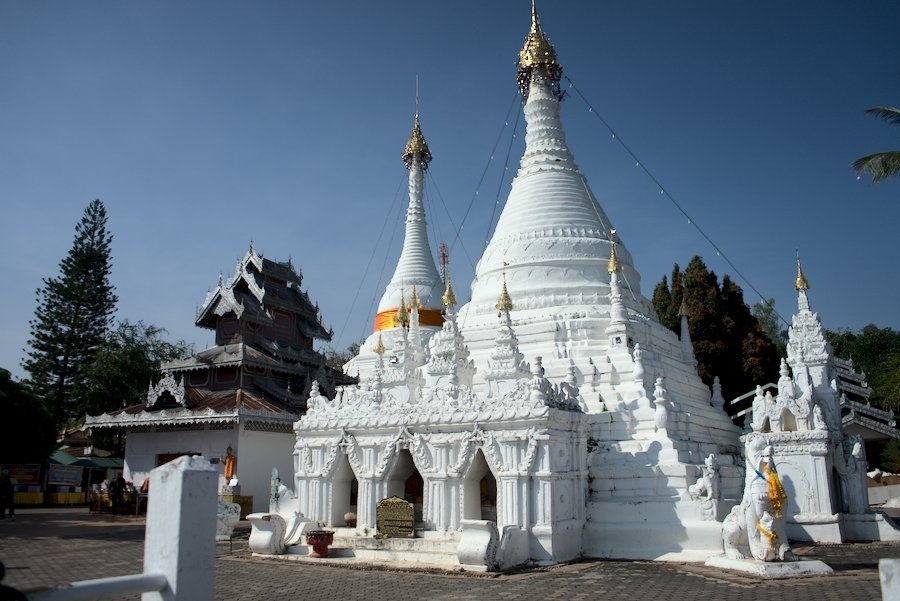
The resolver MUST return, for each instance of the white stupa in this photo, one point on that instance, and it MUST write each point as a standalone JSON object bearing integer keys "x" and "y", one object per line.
{"x": 415, "y": 281}
{"x": 552, "y": 418}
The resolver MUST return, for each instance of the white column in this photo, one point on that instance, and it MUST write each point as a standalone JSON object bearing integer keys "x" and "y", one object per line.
{"x": 181, "y": 529}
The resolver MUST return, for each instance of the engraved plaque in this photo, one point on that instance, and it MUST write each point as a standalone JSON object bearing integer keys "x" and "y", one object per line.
{"x": 394, "y": 517}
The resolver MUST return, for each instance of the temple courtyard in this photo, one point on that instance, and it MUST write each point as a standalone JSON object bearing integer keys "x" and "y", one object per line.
{"x": 47, "y": 546}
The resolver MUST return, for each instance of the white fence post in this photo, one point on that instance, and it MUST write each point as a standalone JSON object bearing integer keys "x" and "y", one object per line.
{"x": 181, "y": 529}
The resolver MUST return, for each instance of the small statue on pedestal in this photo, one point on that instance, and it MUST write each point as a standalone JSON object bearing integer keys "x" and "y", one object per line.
{"x": 230, "y": 463}
{"x": 757, "y": 524}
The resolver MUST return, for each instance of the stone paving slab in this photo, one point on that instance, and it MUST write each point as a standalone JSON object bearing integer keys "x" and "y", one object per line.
{"x": 55, "y": 546}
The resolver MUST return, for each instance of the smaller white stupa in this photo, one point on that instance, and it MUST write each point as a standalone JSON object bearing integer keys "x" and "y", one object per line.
{"x": 823, "y": 468}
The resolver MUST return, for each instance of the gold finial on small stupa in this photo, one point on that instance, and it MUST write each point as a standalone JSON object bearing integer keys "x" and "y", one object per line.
{"x": 613, "y": 265}
{"x": 416, "y": 146}
{"x": 449, "y": 298}
{"x": 402, "y": 314}
{"x": 801, "y": 282}
{"x": 414, "y": 300}
{"x": 504, "y": 302}
{"x": 537, "y": 49}
{"x": 379, "y": 346}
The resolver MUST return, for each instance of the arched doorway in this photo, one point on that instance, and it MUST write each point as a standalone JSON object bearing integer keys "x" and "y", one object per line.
{"x": 344, "y": 487}
{"x": 406, "y": 482}
{"x": 479, "y": 490}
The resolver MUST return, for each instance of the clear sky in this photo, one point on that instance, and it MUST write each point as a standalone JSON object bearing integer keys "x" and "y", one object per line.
{"x": 205, "y": 125}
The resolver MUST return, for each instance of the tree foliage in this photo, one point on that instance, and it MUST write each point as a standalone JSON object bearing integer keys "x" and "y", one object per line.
{"x": 728, "y": 340}
{"x": 27, "y": 430}
{"x": 336, "y": 359}
{"x": 881, "y": 165}
{"x": 771, "y": 325}
{"x": 876, "y": 352}
{"x": 74, "y": 312}
{"x": 127, "y": 361}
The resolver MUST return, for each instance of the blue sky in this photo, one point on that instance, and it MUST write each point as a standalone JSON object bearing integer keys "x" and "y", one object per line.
{"x": 205, "y": 125}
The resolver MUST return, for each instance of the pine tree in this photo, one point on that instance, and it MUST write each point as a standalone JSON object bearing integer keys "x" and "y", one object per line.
{"x": 728, "y": 341}
{"x": 74, "y": 312}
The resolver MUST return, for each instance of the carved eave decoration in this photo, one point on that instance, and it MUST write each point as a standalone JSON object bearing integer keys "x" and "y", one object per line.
{"x": 167, "y": 385}
{"x": 187, "y": 417}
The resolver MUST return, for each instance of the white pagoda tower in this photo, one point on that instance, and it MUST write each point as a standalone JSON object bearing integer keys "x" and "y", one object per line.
{"x": 415, "y": 282}
{"x": 553, "y": 417}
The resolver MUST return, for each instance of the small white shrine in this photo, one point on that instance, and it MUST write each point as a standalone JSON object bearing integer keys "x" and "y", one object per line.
{"x": 822, "y": 467}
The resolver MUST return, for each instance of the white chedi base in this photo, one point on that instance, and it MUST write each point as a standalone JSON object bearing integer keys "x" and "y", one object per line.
{"x": 772, "y": 569}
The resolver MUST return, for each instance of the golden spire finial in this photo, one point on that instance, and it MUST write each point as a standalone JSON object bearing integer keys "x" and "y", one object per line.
{"x": 402, "y": 315}
{"x": 414, "y": 300}
{"x": 379, "y": 346}
{"x": 613, "y": 265}
{"x": 504, "y": 302}
{"x": 800, "y": 283}
{"x": 537, "y": 51}
{"x": 416, "y": 146}
{"x": 449, "y": 298}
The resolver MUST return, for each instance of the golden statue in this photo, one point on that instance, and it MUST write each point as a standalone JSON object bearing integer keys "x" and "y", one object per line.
{"x": 230, "y": 463}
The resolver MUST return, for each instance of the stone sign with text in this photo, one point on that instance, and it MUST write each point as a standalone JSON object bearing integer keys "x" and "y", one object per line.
{"x": 394, "y": 517}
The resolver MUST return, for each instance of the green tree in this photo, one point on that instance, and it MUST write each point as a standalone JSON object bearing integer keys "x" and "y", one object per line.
{"x": 27, "y": 431}
{"x": 881, "y": 165}
{"x": 728, "y": 340}
{"x": 128, "y": 360}
{"x": 336, "y": 359}
{"x": 74, "y": 312}
{"x": 771, "y": 325}
{"x": 876, "y": 352}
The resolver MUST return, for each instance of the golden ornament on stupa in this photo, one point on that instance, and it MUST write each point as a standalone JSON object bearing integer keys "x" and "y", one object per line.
{"x": 416, "y": 146}
{"x": 800, "y": 283}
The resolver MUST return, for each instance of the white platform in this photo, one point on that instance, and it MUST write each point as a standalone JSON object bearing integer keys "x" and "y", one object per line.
{"x": 772, "y": 569}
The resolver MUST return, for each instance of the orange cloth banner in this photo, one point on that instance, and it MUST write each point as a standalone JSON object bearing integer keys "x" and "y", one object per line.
{"x": 427, "y": 317}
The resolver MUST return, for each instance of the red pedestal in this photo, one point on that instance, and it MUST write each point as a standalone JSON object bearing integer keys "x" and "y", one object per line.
{"x": 319, "y": 540}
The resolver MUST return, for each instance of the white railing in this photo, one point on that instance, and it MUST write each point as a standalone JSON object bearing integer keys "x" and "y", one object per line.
{"x": 104, "y": 588}
{"x": 179, "y": 546}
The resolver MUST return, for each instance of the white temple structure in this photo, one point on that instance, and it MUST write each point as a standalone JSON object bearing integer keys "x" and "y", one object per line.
{"x": 823, "y": 467}
{"x": 552, "y": 417}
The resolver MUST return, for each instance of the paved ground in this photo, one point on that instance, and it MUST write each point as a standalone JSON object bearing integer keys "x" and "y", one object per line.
{"x": 52, "y": 546}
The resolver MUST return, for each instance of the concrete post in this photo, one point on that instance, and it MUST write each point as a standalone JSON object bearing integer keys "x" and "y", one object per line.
{"x": 181, "y": 529}
{"x": 889, "y": 572}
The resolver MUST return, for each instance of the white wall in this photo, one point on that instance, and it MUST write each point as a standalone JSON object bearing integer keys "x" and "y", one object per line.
{"x": 258, "y": 452}
{"x": 142, "y": 449}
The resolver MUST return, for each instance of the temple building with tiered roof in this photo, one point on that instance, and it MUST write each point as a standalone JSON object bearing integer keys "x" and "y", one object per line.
{"x": 246, "y": 391}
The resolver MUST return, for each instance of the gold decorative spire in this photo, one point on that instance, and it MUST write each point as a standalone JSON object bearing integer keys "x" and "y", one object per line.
{"x": 402, "y": 314}
{"x": 537, "y": 49}
{"x": 414, "y": 300}
{"x": 504, "y": 303}
{"x": 613, "y": 265}
{"x": 538, "y": 52}
{"x": 379, "y": 346}
{"x": 449, "y": 298}
{"x": 416, "y": 146}
{"x": 800, "y": 283}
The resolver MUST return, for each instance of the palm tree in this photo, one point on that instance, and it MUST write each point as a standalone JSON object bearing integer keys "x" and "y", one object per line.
{"x": 881, "y": 164}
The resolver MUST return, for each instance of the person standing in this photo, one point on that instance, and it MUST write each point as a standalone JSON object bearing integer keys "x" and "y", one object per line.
{"x": 117, "y": 494}
{"x": 7, "y": 496}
